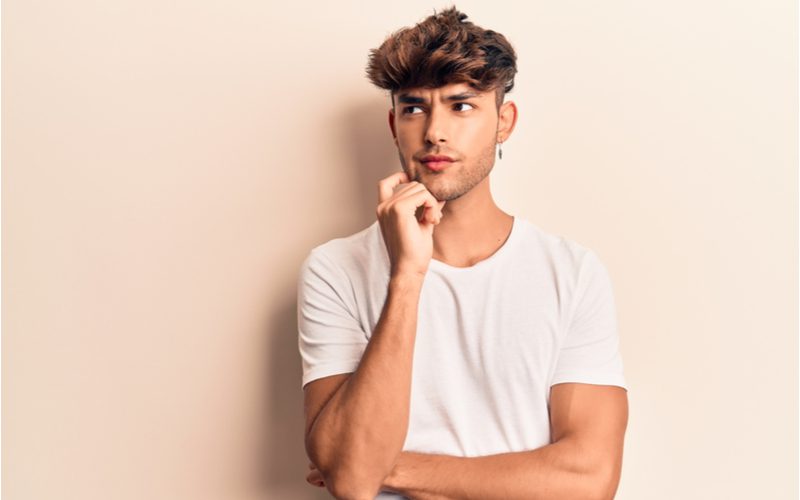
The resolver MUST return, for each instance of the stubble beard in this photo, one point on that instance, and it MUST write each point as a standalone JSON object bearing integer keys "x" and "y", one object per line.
{"x": 453, "y": 184}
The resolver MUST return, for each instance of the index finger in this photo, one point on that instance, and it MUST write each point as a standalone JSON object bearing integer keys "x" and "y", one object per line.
{"x": 386, "y": 186}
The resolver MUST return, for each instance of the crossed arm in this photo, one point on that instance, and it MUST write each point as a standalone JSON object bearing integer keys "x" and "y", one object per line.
{"x": 583, "y": 461}
{"x": 356, "y": 422}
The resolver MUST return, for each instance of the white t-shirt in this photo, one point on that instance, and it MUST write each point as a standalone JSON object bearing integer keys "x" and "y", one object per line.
{"x": 491, "y": 338}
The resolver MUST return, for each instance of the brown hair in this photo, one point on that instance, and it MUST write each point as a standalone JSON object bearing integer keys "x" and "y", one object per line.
{"x": 443, "y": 49}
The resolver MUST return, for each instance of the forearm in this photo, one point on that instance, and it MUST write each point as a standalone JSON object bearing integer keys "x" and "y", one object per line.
{"x": 357, "y": 437}
{"x": 558, "y": 470}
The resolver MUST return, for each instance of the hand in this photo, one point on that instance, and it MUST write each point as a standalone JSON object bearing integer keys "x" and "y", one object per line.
{"x": 315, "y": 476}
{"x": 409, "y": 241}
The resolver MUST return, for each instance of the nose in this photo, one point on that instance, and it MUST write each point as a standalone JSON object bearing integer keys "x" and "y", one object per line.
{"x": 435, "y": 128}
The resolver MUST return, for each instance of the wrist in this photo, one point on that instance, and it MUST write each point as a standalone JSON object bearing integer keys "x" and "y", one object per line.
{"x": 406, "y": 281}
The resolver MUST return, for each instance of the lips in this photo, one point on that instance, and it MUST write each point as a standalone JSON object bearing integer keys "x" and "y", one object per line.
{"x": 437, "y": 166}
{"x": 437, "y": 162}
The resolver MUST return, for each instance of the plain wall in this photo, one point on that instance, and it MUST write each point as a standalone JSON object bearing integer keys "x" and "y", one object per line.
{"x": 167, "y": 166}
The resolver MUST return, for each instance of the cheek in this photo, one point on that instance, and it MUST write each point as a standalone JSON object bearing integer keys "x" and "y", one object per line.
{"x": 477, "y": 132}
{"x": 406, "y": 146}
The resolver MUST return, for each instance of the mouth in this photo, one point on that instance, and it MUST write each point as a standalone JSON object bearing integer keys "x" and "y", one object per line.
{"x": 437, "y": 163}
{"x": 437, "y": 166}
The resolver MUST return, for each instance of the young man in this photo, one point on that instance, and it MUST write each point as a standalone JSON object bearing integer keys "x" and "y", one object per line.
{"x": 451, "y": 350}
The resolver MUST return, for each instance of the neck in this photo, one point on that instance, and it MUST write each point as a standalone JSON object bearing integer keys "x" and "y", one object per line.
{"x": 472, "y": 228}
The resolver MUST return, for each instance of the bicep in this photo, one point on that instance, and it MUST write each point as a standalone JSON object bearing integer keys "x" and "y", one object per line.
{"x": 317, "y": 394}
{"x": 594, "y": 417}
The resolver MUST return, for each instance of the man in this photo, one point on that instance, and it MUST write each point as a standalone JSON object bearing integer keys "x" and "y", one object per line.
{"x": 451, "y": 350}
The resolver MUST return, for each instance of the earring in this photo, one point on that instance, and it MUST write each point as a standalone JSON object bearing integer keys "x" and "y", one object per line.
{"x": 500, "y": 152}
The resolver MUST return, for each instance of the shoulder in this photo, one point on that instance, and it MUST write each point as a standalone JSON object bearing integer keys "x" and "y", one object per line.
{"x": 563, "y": 254}
{"x": 351, "y": 254}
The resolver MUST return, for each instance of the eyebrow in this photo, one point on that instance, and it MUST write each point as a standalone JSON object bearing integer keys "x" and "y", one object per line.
{"x": 409, "y": 99}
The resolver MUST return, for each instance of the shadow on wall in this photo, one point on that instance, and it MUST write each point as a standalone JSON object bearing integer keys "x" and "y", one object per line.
{"x": 286, "y": 464}
{"x": 371, "y": 150}
{"x": 371, "y": 155}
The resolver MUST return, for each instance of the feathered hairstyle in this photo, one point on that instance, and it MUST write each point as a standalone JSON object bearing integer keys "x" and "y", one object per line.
{"x": 444, "y": 49}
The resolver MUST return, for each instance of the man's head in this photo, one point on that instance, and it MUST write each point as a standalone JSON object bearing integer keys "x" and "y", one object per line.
{"x": 448, "y": 79}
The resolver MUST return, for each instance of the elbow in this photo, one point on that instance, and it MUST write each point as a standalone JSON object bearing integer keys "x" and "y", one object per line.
{"x": 317, "y": 456}
{"x": 606, "y": 481}
{"x": 345, "y": 485}
{"x": 350, "y": 472}
{"x": 343, "y": 482}
{"x": 345, "y": 488}
{"x": 353, "y": 479}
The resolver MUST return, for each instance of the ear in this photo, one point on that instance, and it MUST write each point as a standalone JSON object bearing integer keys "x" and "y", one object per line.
{"x": 507, "y": 118}
{"x": 391, "y": 124}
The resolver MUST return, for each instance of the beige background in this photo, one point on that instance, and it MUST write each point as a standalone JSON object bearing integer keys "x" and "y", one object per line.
{"x": 168, "y": 165}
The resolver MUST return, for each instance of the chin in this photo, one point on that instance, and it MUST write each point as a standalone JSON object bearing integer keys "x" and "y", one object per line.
{"x": 444, "y": 196}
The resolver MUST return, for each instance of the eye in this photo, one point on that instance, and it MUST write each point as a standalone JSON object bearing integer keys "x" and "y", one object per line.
{"x": 464, "y": 104}
{"x": 407, "y": 108}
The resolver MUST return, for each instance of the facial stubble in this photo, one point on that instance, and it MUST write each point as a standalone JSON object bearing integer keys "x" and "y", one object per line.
{"x": 456, "y": 180}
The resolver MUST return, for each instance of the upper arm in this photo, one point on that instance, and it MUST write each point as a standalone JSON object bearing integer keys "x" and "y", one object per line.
{"x": 589, "y": 352}
{"x": 331, "y": 342}
{"x": 594, "y": 419}
{"x": 316, "y": 394}
{"x": 331, "y": 339}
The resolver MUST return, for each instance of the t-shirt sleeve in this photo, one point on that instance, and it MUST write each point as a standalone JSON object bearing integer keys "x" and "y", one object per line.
{"x": 590, "y": 349}
{"x": 330, "y": 337}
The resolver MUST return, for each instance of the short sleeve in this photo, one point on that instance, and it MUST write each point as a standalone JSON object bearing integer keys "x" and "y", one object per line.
{"x": 330, "y": 338}
{"x": 590, "y": 351}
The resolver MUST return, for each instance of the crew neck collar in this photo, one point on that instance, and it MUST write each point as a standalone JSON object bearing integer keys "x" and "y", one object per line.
{"x": 496, "y": 256}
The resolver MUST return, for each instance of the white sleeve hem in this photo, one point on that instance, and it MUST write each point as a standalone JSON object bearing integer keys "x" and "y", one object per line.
{"x": 328, "y": 370}
{"x": 590, "y": 378}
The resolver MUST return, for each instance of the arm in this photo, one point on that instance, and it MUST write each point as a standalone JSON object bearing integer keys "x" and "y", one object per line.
{"x": 356, "y": 437}
{"x": 583, "y": 462}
